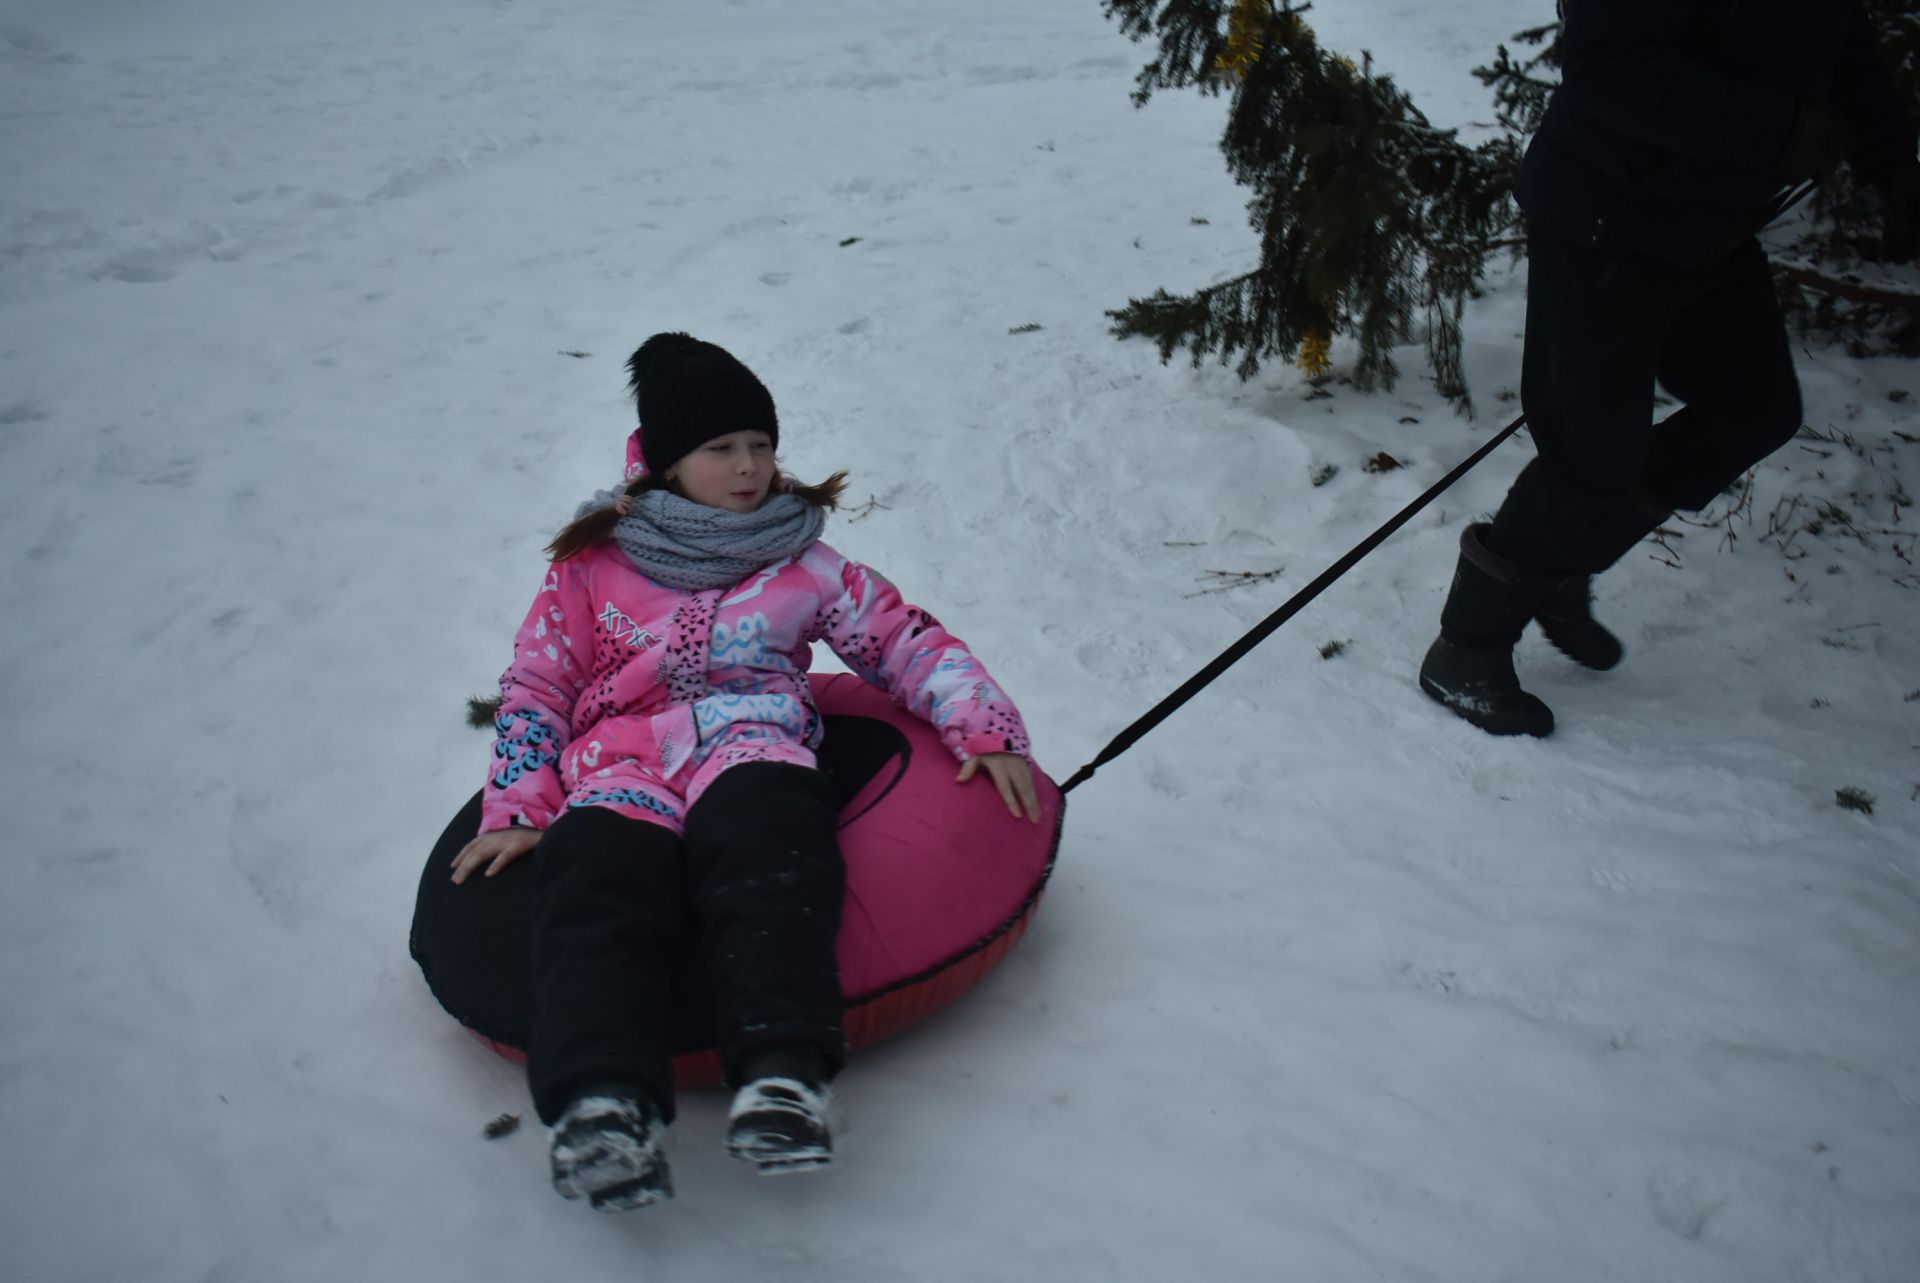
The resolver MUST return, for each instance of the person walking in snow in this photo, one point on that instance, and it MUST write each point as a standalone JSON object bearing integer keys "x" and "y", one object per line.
{"x": 655, "y": 752}
{"x": 1675, "y": 128}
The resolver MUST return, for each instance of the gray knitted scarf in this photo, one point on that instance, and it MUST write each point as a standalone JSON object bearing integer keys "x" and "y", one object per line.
{"x": 692, "y": 547}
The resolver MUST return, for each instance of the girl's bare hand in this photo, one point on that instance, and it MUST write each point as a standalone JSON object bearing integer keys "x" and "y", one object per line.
{"x": 1012, "y": 776}
{"x": 494, "y": 850}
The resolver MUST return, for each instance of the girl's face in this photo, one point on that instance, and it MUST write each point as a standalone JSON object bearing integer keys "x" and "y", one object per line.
{"x": 734, "y": 472}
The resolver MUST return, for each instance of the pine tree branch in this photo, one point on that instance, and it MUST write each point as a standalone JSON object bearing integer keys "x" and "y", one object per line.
{"x": 1373, "y": 223}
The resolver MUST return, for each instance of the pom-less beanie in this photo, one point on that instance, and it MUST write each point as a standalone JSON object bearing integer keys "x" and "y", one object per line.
{"x": 688, "y": 392}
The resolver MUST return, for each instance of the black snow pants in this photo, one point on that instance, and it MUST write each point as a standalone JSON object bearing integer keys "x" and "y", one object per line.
{"x": 1602, "y": 331}
{"x": 757, "y": 878}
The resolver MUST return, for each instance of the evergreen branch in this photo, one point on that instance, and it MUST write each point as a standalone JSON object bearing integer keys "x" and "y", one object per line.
{"x": 1368, "y": 216}
{"x": 1191, "y": 41}
{"x": 1807, "y": 276}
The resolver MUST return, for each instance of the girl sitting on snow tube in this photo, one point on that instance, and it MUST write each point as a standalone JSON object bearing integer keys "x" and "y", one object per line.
{"x": 655, "y": 748}
{"x": 942, "y": 883}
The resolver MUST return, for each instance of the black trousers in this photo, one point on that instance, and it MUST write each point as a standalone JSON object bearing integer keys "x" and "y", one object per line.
{"x": 756, "y": 881}
{"x": 1602, "y": 331}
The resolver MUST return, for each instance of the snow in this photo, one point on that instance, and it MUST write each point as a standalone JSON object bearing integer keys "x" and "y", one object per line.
{"x": 1329, "y": 986}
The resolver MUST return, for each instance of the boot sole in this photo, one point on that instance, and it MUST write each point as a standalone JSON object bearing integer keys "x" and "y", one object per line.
{"x": 626, "y": 1196}
{"x": 1582, "y": 660}
{"x": 614, "y": 1172}
{"x": 611, "y": 1188}
{"x": 777, "y": 1158}
{"x": 793, "y": 1166}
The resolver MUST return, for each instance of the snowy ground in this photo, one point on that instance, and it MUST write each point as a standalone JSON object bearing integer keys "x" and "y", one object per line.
{"x": 1329, "y": 985}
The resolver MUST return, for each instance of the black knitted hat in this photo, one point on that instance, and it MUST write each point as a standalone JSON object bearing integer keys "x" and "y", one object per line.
{"x": 689, "y": 392}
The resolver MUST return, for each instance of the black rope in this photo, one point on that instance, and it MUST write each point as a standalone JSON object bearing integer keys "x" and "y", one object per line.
{"x": 1294, "y": 604}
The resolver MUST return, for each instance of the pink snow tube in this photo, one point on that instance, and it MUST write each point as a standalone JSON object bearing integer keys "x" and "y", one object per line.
{"x": 941, "y": 884}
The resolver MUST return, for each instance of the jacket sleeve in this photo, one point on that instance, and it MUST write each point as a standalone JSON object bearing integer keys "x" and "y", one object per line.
{"x": 904, "y": 651}
{"x": 1626, "y": 64}
{"x": 1864, "y": 92}
{"x": 551, "y": 658}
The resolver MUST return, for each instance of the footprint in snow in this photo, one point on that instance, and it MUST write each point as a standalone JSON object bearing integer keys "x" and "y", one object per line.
{"x": 1683, "y": 1204}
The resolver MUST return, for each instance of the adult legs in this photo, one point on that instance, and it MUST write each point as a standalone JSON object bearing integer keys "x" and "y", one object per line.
{"x": 1600, "y": 330}
{"x": 1587, "y": 387}
{"x": 1596, "y": 325}
{"x": 1602, "y": 481}
{"x": 1730, "y": 361}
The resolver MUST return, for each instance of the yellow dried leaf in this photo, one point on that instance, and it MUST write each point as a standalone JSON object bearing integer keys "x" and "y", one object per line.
{"x": 1245, "y": 40}
{"x": 1316, "y": 355}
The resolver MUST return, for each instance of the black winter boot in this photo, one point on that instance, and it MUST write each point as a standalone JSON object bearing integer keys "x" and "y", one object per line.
{"x": 779, "y": 1116}
{"x": 1469, "y": 667}
{"x": 610, "y": 1147}
{"x": 1565, "y": 615}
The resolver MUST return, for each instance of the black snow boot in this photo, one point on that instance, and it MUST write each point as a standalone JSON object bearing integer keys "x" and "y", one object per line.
{"x": 779, "y": 1118}
{"x": 1469, "y": 667}
{"x": 1565, "y": 615}
{"x": 610, "y": 1146}
{"x": 1565, "y": 612}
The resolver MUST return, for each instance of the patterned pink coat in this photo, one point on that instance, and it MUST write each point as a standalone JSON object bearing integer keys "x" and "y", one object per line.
{"x": 633, "y": 696}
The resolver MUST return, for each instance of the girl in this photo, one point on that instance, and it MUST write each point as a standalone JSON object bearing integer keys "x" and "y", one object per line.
{"x": 655, "y": 751}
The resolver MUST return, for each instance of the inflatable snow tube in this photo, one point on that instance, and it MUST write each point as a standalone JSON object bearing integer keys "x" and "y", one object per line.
{"x": 941, "y": 884}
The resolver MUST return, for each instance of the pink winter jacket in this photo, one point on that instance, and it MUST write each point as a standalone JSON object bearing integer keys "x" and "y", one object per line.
{"x": 619, "y": 684}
